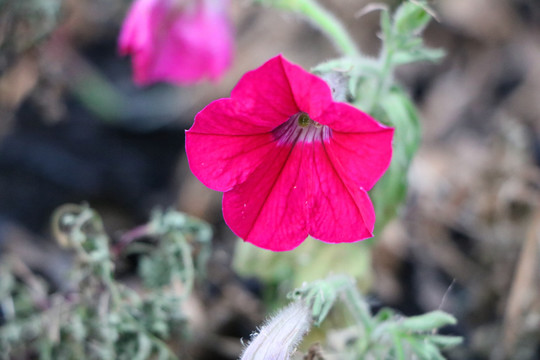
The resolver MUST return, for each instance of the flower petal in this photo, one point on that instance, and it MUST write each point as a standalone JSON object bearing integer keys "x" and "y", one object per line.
{"x": 311, "y": 93}
{"x": 138, "y": 34}
{"x": 266, "y": 93}
{"x": 229, "y": 117}
{"x": 219, "y": 148}
{"x": 346, "y": 118}
{"x": 361, "y": 157}
{"x": 194, "y": 47}
{"x": 179, "y": 44}
{"x": 222, "y": 161}
{"x": 278, "y": 191}
{"x": 339, "y": 211}
{"x": 226, "y": 144}
{"x": 269, "y": 209}
{"x": 136, "y": 29}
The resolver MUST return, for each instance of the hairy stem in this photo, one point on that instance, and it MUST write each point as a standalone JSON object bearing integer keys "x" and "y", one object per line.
{"x": 323, "y": 19}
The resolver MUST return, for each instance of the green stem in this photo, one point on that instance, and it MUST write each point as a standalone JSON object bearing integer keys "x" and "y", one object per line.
{"x": 325, "y": 20}
{"x": 116, "y": 297}
{"x": 189, "y": 268}
{"x": 156, "y": 340}
{"x": 353, "y": 300}
{"x": 386, "y": 71}
{"x": 357, "y": 307}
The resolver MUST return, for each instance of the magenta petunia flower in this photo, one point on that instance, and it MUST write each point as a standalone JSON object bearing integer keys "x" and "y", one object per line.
{"x": 178, "y": 41}
{"x": 291, "y": 161}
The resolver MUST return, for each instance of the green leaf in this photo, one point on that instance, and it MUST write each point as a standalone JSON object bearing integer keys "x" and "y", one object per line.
{"x": 419, "y": 349}
{"x": 384, "y": 314}
{"x": 421, "y": 54}
{"x": 144, "y": 347}
{"x": 366, "y": 88}
{"x": 411, "y": 18}
{"x": 427, "y": 322}
{"x": 396, "y": 110}
{"x": 407, "y": 42}
{"x": 446, "y": 341}
{"x": 433, "y": 352}
{"x": 399, "y": 352}
{"x": 401, "y": 113}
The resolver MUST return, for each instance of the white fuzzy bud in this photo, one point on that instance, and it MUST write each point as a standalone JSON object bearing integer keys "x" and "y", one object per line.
{"x": 280, "y": 335}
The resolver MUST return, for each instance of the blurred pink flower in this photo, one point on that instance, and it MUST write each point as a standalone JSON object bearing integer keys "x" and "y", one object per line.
{"x": 177, "y": 41}
{"x": 291, "y": 161}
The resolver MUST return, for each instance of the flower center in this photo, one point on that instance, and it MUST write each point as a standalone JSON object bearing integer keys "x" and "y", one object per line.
{"x": 304, "y": 119}
{"x": 301, "y": 128}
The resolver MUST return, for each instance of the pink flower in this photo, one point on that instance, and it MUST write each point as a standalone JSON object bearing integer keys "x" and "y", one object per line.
{"x": 179, "y": 41}
{"x": 291, "y": 161}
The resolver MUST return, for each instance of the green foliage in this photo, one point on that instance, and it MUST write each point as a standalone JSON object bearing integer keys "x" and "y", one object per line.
{"x": 322, "y": 18}
{"x": 172, "y": 260}
{"x": 384, "y": 335}
{"x": 101, "y": 318}
{"x": 411, "y": 18}
{"x": 391, "y": 104}
{"x": 395, "y": 108}
{"x": 372, "y": 88}
{"x": 402, "y": 35}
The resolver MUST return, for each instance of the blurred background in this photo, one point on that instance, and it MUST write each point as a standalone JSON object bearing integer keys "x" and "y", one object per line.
{"x": 74, "y": 128}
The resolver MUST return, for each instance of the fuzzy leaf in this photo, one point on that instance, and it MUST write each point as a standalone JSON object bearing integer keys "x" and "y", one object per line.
{"x": 410, "y": 18}
{"x": 445, "y": 340}
{"x": 426, "y": 322}
{"x": 420, "y": 54}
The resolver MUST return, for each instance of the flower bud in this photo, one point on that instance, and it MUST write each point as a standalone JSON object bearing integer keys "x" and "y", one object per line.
{"x": 279, "y": 337}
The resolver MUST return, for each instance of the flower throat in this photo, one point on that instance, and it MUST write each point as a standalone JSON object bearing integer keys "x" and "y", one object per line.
{"x": 301, "y": 128}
